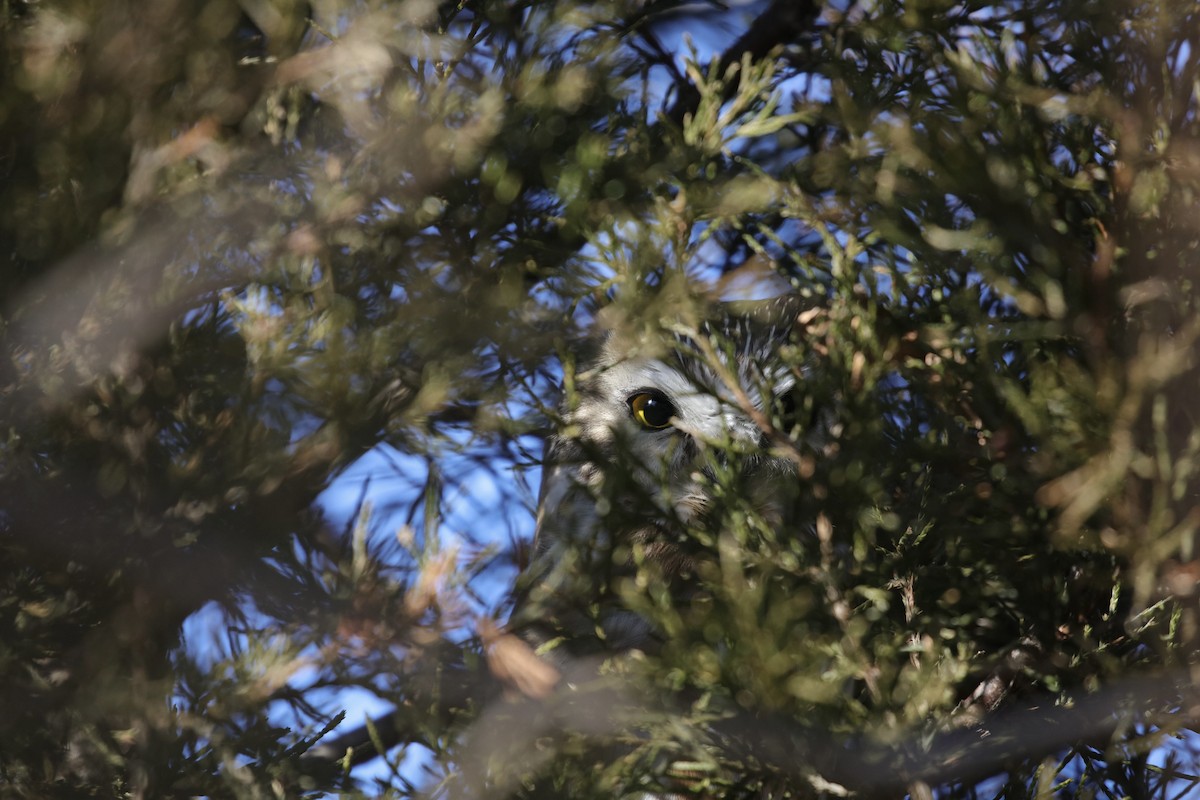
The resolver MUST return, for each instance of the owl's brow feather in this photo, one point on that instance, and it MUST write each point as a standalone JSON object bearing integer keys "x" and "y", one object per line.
{"x": 755, "y": 346}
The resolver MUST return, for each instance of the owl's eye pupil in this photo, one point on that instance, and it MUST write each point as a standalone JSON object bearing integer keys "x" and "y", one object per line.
{"x": 651, "y": 409}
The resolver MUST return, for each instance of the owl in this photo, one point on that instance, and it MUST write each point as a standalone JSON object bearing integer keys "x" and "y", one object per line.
{"x": 655, "y": 425}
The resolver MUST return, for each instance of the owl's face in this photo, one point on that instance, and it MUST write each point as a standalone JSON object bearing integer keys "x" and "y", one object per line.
{"x": 667, "y": 422}
{"x": 654, "y": 432}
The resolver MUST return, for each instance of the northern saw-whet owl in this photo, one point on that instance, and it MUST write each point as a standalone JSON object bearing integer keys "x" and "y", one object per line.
{"x": 655, "y": 427}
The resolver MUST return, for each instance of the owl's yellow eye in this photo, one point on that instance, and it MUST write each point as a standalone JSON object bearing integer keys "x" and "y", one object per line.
{"x": 652, "y": 409}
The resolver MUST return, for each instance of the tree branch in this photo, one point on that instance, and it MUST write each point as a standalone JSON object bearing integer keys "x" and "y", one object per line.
{"x": 781, "y": 23}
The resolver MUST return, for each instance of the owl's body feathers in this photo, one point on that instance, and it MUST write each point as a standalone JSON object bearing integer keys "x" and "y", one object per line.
{"x": 634, "y": 463}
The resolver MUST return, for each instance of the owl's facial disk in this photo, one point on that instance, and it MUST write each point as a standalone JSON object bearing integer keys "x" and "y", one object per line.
{"x": 651, "y": 403}
{"x": 666, "y": 429}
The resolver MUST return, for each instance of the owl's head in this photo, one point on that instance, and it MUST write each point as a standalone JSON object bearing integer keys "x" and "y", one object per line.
{"x": 660, "y": 431}
{"x": 670, "y": 409}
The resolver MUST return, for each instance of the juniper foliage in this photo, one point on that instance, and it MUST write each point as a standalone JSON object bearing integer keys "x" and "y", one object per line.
{"x": 250, "y": 242}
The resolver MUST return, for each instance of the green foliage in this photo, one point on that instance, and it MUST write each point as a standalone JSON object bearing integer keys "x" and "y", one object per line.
{"x": 249, "y": 242}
